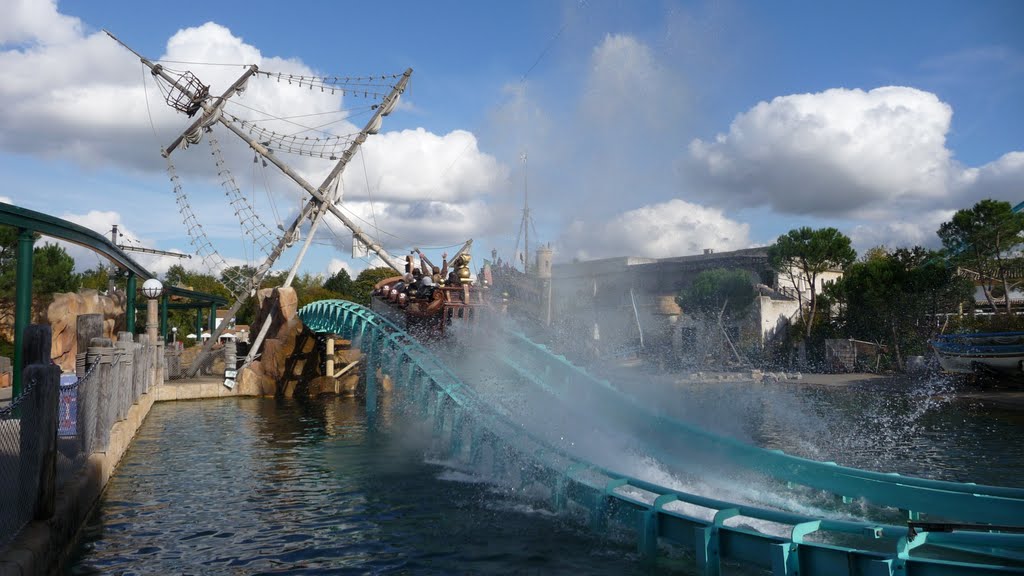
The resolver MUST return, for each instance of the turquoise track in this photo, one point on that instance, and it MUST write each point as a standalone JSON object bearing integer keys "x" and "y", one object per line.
{"x": 478, "y": 431}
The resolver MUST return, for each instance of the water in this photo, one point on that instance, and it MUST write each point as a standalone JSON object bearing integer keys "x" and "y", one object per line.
{"x": 261, "y": 486}
{"x": 923, "y": 426}
{"x": 246, "y": 486}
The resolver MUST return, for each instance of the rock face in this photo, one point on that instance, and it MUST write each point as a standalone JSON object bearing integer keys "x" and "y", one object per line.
{"x": 282, "y": 364}
{"x": 268, "y": 373}
{"x": 63, "y": 313}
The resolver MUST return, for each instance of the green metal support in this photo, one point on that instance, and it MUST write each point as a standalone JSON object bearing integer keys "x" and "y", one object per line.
{"x": 516, "y": 454}
{"x": 199, "y": 325}
{"x": 163, "y": 317}
{"x": 129, "y": 310}
{"x": 213, "y": 317}
{"x": 22, "y": 301}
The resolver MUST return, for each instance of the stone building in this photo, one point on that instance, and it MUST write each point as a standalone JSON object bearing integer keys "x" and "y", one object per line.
{"x": 620, "y": 306}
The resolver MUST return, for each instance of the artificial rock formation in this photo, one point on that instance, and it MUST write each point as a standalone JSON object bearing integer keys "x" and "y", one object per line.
{"x": 268, "y": 373}
{"x": 63, "y": 313}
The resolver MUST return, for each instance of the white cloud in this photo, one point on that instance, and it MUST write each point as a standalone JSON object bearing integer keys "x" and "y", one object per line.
{"x": 878, "y": 159}
{"x": 837, "y": 152}
{"x": 910, "y": 230}
{"x": 80, "y": 97}
{"x": 1002, "y": 179}
{"x": 336, "y": 265}
{"x": 102, "y": 222}
{"x": 416, "y": 166}
{"x": 672, "y": 228}
{"x": 36, "y": 21}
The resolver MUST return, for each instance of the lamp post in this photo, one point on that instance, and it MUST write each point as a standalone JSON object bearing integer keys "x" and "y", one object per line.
{"x": 152, "y": 289}
{"x": 174, "y": 334}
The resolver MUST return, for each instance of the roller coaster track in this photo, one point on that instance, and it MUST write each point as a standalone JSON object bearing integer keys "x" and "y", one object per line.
{"x": 469, "y": 428}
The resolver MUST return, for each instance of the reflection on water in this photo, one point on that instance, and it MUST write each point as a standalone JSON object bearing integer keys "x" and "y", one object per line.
{"x": 243, "y": 486}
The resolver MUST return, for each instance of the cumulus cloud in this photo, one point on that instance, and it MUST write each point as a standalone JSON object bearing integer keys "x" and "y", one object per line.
{"x": 68, "y": 95}
{"x": 36, "y": 22}
{"x": 877, "y": 159}
{"x": 660, "y": 230}
{"x": 1002, "y": 179}
{"x": 832, "y": 153}
{"x": 416, "y": 165}
{"x": 900, "y": 231}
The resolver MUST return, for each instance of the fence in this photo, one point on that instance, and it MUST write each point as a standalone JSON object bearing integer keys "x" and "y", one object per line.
{"x": 48, "y": 432}
{"x": 224, "y": 356}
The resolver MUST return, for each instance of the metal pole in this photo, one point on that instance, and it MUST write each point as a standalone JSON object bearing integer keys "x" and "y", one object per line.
{"x": 22, "y": 302}
{"x": 129, "y": 308}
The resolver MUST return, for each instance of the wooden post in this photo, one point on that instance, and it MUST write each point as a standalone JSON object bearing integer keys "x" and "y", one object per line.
{"x": 39, "y": 428}
{"x": 38, "y": 439}
{"x": 88, "y": 326}
{"x": 100, "y": 352}
{"x": 138, "y": 371}
{"x": 329, "y": 353}
{"x": 145, "y": 366}
{"x": 126, "y": 359}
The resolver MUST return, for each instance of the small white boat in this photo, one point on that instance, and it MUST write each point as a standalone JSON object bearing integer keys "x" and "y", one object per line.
{"x": 993, "y": 352}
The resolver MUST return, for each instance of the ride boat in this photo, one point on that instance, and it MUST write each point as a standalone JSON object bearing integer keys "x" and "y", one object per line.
{"x": 998, "y": 353}
{"x": 427, "y": 304}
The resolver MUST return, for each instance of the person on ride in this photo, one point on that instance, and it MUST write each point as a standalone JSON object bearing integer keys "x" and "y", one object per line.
{"x": 426, "y": 290}
{"x": 414, "y": 286}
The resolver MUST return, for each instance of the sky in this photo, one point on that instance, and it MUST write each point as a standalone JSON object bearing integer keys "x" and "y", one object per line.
{"x": 634, "y": 128}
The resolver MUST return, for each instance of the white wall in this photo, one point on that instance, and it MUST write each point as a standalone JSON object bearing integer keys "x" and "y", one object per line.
{"x": 775, "y": 315}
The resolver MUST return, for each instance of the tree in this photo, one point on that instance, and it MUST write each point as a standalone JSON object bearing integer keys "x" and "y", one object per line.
{"x": 340, "y": 282}
{"x": 718, "y": 292}
{"x": 981, "y": 239}
{"x": 365, "y": 281}
{"x": 53, "y": 270}
{"x": 893, "y": 298}
{"x": 804, "y": 254}
{"x": 97, "y": 278}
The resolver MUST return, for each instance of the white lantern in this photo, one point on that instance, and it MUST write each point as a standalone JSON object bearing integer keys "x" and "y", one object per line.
{"x": 152, "y": 288}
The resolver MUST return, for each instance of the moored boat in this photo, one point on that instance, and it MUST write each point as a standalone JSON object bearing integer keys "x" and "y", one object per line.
{"x": 992, "y": 352}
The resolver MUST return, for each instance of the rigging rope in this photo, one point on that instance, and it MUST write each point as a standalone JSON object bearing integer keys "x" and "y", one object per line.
{"x": 252, "y": 225}
{"x": 364, "y": 86}
{"x": 328, "y": 147}
{"x": 232, "y": 278}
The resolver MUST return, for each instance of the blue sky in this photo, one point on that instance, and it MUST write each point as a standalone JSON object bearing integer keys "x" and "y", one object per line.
{"x": 651, "y": 128}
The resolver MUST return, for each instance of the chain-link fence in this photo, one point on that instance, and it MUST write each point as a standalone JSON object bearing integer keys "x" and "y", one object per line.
{"x": 48, "y": 432}
{"x": 23, "y": 448}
